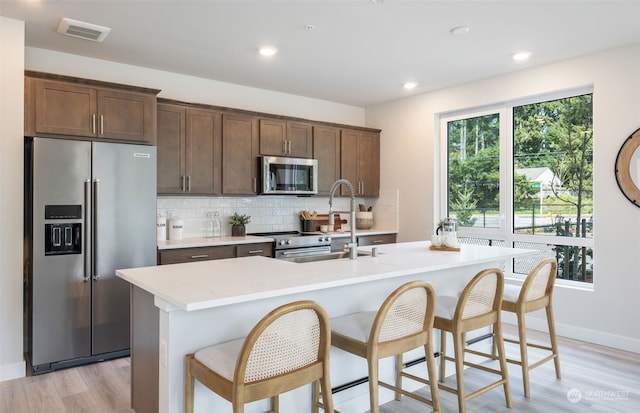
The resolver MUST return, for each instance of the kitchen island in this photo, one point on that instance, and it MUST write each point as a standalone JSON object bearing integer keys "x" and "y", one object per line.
{"x": 177, "y": 309}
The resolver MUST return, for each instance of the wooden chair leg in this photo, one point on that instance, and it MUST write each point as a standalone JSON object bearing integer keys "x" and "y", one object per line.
{"x": 315, "y": 397}
{"x": 373, "y": 385}
{"x": 443, "y": 354}
{"x": 554, "y": 342}
{"x": 327, "y": 402}
{"x": 458, "y": 349}
{"x": 275, "y": 404}
{"x": 524, "y": 359}
{"x": 503, "y": 362}
{"x": 431, "y": 374}
{"x": 399, "y": 365}
{"x": 188, "y": 384}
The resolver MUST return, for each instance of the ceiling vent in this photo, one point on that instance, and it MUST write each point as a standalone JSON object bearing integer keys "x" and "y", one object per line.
{"x": 83, "y": 30}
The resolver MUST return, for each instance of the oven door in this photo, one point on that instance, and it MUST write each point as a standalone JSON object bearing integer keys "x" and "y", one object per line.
{"x": 299, "y": 254}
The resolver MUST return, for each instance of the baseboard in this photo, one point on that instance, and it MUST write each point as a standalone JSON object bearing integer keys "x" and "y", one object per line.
{"x": 578, "y": 333}
{"x": 12, "y": 371}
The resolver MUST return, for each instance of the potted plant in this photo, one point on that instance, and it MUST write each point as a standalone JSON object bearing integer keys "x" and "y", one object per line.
{"x": 238, "y": 222}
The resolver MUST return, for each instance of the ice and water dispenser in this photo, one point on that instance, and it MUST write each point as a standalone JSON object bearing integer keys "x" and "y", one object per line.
{"x": 64, "y": 236}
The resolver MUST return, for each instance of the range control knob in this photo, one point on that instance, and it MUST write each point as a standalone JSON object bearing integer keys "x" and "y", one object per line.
{"x": 327, "y": 239}
{"x": 281, "y": 242}
{"x": 288, "y": 242}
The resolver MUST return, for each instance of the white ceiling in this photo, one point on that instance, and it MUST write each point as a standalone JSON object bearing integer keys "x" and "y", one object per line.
{"x": 359, "y": 52}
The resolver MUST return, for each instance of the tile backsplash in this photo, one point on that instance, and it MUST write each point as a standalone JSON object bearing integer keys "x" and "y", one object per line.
{"x": 269, "y": 213}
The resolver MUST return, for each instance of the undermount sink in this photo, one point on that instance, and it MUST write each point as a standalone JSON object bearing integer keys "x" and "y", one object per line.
{"x": 323, "y": 257}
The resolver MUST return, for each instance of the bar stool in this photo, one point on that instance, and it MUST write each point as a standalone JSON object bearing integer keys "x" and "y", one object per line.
{"x": 478, "y": 306}
{"x": 536, "y": 293}
{"x": 403, "y": 322}
{"x": 288, "y": 348}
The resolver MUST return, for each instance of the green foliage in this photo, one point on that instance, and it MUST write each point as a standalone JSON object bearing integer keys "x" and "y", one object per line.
{"x": 474, "y": 159}
{"x": 556, "y": 134}
{"x": 523, "y": 193}
{"x": 464, "y": 204}
{"x": 559, "y": 135}
{"x": 238, "y": 219}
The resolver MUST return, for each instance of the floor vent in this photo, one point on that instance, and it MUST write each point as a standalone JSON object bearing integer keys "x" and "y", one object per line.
{"x": 83, "y": 30}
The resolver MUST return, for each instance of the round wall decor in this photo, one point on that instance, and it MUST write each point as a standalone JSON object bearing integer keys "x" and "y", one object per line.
{"x": 628, "y": 168}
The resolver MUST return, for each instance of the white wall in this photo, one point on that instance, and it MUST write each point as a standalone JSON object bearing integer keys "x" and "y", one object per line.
{"x": 11, "y": 160}
{"x": 610, "y": 313}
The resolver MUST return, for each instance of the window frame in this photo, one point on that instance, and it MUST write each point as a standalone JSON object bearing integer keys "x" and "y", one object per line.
{"x": 505, "y": 231}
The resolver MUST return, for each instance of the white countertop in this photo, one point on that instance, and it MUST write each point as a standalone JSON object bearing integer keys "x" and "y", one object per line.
{"x": 210, "y": 242}
{"x": 250, "y": 239}
{"x": 207, "y": 284}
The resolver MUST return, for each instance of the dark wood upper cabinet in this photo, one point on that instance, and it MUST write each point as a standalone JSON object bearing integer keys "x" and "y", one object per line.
{"x": 326, "y": 149}
{"x": 360, "y": 162}
{"x": 171, "y": 148}
{"x": 286, "y": 138}
{"x": 74, "y": 108}
{"x": 189, "y": 150}
{"x": 239, "y": 154}
{"x": 204, "y": 151}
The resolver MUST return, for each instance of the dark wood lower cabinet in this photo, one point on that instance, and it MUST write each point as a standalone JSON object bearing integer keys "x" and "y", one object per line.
{"x": 365, "y": 240}
{"x": 181, "y": 255}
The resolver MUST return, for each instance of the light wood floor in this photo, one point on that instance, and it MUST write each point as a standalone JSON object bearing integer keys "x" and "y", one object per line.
{"x": 607, "y": 380}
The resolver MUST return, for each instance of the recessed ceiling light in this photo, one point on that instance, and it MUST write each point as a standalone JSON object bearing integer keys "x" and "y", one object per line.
{"x": 521, "y": 56}
{"x": 410, "y": 85}
{"x": 460, "y": 30}
{"x": 268, "y": 51}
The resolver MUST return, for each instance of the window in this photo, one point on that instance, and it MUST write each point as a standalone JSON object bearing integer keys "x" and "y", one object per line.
{"x": 521, "y": 174}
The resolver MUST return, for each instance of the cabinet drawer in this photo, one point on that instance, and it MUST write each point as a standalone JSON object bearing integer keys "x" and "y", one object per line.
{"x": 180, "y": 255}
{"x": 376, "y": 239}
{"x": 264, "y": 249}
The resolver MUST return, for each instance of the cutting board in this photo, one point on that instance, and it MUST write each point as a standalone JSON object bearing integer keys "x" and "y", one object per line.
{"x": 323, "y": 219}
{"x": 443, "y": 248}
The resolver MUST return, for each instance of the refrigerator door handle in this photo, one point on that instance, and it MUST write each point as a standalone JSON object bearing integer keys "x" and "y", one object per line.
{"x": 94, "y": 249}
{"x": 87, "y": 231}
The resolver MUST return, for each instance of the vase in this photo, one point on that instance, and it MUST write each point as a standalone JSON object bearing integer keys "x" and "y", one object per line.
{"x": 237, "y": 230}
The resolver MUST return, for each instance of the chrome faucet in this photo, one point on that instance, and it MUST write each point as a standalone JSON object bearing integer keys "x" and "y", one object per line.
{"x": 352, "y": 245}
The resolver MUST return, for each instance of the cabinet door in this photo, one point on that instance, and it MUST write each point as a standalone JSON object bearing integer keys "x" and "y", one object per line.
{"x": 326, "y": 149}
{"x": 65, "y": 109}
{"x": 239, "y": 154}
{"x": 281, "y": 138}
{"x": 203, "y": 151}
{"x": 264, "y": 249}
{"x": 349, "y": 159}
{"x": 369, "y": 164}
{"x": 300, "y": 139}
{"x": 171, "y": 148}
{"x": 125, "y": 115}
{"x": 273, "y": 139}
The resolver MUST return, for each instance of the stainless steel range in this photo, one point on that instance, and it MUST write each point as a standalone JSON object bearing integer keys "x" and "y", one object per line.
{"x": 294, "y": 246}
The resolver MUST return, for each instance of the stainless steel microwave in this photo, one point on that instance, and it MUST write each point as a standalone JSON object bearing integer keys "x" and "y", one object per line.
{"x": 288, "y": 176}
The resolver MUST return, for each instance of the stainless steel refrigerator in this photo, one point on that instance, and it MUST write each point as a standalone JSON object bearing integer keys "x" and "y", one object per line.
{"x": 90, "y": 209}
